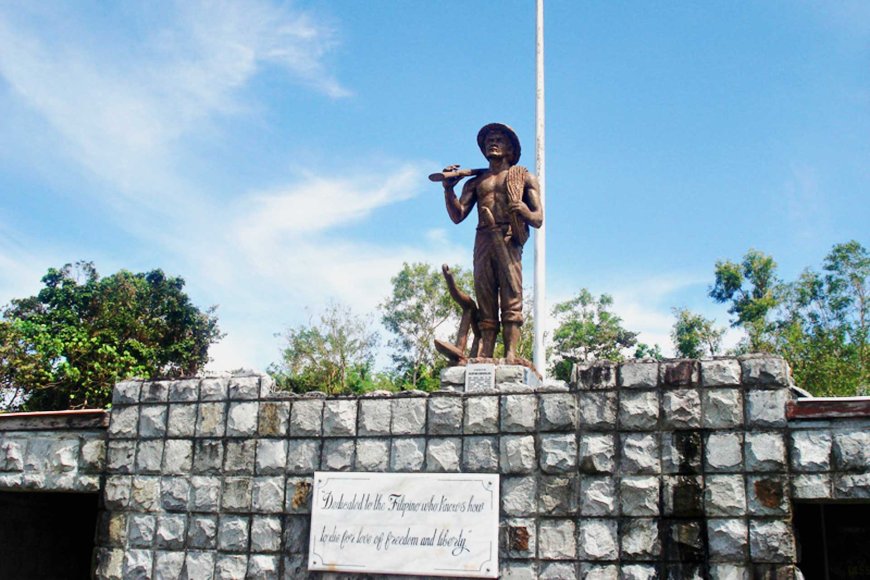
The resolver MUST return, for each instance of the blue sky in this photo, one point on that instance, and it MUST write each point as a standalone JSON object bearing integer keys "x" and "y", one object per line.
{"x": 274, "y": 154}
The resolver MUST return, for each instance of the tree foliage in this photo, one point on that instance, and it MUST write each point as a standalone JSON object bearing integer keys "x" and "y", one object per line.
{"x": 751, "y": 289}
{"x": 695, "y": 336}
{"x": 415, "y": 313}
{"x": 587, "y": 330}
{"x": 69, "y": 344}
{"x": 335, "y": 354}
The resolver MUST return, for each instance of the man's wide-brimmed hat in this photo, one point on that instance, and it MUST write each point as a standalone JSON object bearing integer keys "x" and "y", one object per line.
{"x": 511, "y": 134}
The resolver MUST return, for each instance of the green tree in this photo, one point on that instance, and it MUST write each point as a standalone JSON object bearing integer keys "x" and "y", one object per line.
{"x": 587, "y": 330}
{"x": 643, "y": 350}
{"x": 335, "y": 355}
{"x": 824, "y": 327}
{"x": 752, "y": 288}
{"x": 68, "y": 345}
{"x": 695, "y": 336}
{"x": 415, "y": 313}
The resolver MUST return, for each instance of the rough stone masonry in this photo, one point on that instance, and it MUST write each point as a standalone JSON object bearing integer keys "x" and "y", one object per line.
{"x": 673, "y": 469}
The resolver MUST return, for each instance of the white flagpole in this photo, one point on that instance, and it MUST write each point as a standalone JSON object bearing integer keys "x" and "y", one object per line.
{"x": 540, "y": 296}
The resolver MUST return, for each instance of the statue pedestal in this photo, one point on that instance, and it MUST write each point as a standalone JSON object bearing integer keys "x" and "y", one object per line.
{"x": 488, "y": 375}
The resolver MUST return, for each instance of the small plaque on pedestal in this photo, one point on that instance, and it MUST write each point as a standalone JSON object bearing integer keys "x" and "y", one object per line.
{"x": 479, "y": 377}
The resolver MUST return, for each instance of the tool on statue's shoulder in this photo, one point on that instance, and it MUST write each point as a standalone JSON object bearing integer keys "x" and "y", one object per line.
{"x": 454, "y": 171}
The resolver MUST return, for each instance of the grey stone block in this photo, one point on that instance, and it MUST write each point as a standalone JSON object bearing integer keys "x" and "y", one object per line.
{"x": 233, "y": 533}
{"x": 638, "y": 410}
{"x": 265, "y": 534}
{"x": 519, "y": 495}
{"x": 771, "y": 541}
{"x": 239, "y": 456}
{"x": 812, "y": 486}
{"x": 12, "y": 454}
{"x": 375, "y": 416}
{"x": 766, "y": 408}
{"x": 296, "y": 534}
{"x": 144, "y": 494}
{"x": 453, "y": 376}
{"x": 599, "y": 571}
{"x": 149, "y": 456}
{"x": 274, "y": 419}
{"x": 236, "y": 495}
{"x": 170, "y": 532}
{"x": 213, "y": 389}
{"x": 137, "y": 565}
{"x": 155, "y": 392}
{"x": 681, "y": 409}
{"x": 202, "y": 532}
{"x": 852, "y": 450}
{"x": 267, "y": 495}
{"x": 208, "y": 455}
{"x": 639, "y": 539}
{"x": 729, "y": 572}
{"x": 640, "y": 454}
{"x": 174, "y": 493}
{"x": 152, "y": 421}
{"x": 140, "y": 530}
{"x": 597, "y": 539}
{"x": 724, "y": 495}
{"x": 679, "y": 373}
{"x": 765, "y": 451}
{"x": 639, "y": 572}
{"x": 116, "y": 494}
{"x": 517, "y": 571}
{"x": 242, "y": 419}
{"x": 177, "y": 456}
{"x": 764, "y": 370}
{"x": 557, "y": 571}
{"x": 408, "y": 453}
{"x": 116, "y": 532}
{"x": 480, "y": 454}
{"x": 298, "y": 495}
{"x": 337, "y": 455}
{"x": 372, "y": 454}
{"x": 271, "y": 456}
{"x": 124, "y": 422}
{"x": 721, "y": 408}
{"x": 728, "y": 539}
{"x": 768, "y": 495}
{"x": 442, "y": 455}
{"x": 598, "y": 496}
{"x": 339, "y": 418}
{"x": 210, "y": 419}
{"x": 198, "y": 565}
{"x": 303, "y": 455}
{"x": 246, "y": 388}
{"x": 724, "y": 452}
{"x": 720, "y": 373}
{"x": 558, "y": 453}
{"x": 639, "y": 496}
{"x": 595, "y": 376}
{"x": 481, "y": 414}
{"x": 295, "y": 566}
{"x": 306, "y": 418}
{"x": 811, "y": 450}
{"x": 205, "y": 493}
{"x": 185, "y": 390}
{"x": 638, "y": 374}
{"x": 597, "y": 409}
{"x": 519, "y": 413}
{"x": 168, "y": 565}
{"x": 557, "y": 540}
{"x": 517, "y": 454}
{"x": 852, "y": 486}
{"x": 119, "y": 456}
{"x": 597, "y": 452}
{"x": 126, "y": 393}
{"x": 519, "y": 538}
{"x": 445, "y": 415}
{"x": 231, "y": 566}
{"x": 557, "y": 495}
{"x": 409, "y": 416}
{"x": 681, "y": 452}
{"x": 558, "y": 412}
{"x": 683, "y": 496}
{"x": 182, "y": 420}
{"x": 262, "y": 567}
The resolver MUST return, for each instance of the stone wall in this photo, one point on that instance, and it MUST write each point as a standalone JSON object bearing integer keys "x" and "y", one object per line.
{"x": 677, "y": 469}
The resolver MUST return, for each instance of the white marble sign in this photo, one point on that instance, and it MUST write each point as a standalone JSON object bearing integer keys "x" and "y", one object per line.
{"x": 432, "y": 524}
{"x": 479, "y": 377}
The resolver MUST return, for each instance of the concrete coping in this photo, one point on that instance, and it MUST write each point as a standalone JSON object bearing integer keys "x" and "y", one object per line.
{"x": 48, "y": 420}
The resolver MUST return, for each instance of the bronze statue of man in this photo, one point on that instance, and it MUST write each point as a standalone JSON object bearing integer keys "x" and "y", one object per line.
{"x": 508, "y": 202}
